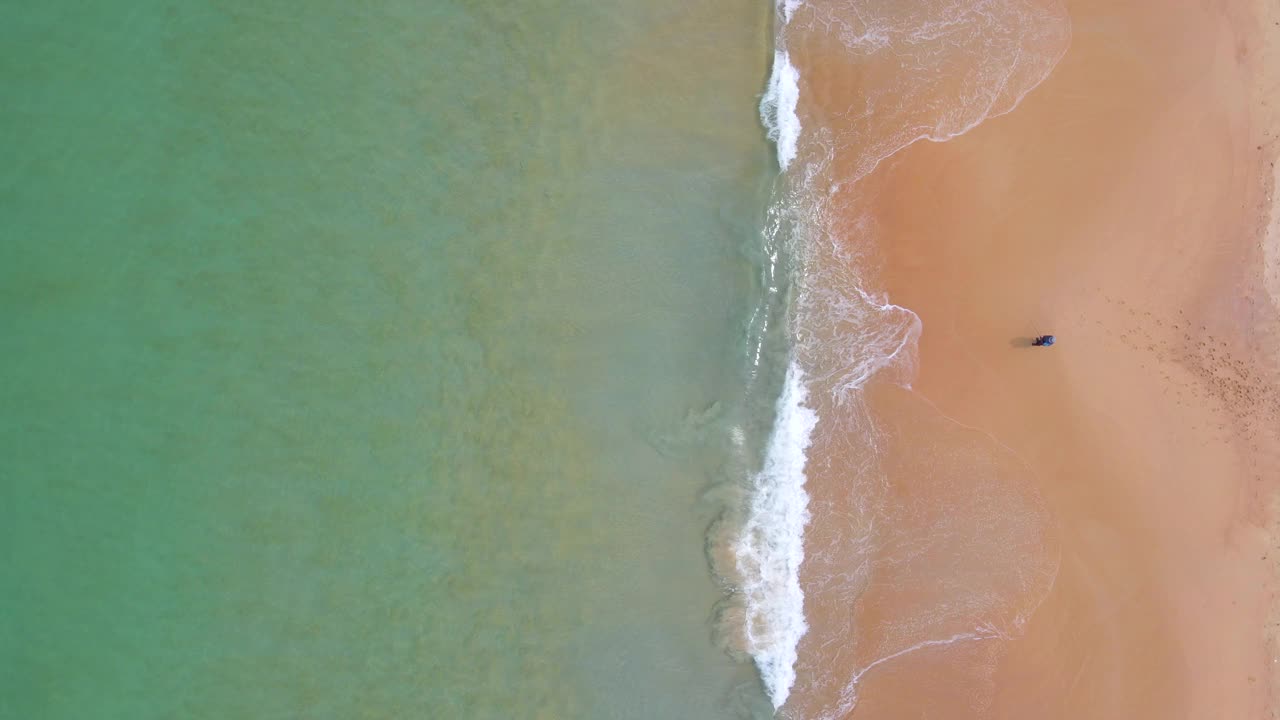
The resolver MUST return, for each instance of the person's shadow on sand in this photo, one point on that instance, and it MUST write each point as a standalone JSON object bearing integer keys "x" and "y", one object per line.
{"x": 1022, "y": 342}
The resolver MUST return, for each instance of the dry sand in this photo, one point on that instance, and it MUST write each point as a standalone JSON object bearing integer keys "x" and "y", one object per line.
{"x": 1122, "y": 208}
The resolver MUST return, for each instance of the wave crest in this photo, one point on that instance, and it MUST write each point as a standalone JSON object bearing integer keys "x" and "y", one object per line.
{"x": 770, "y": 546}
{"x": 778, "y": 108}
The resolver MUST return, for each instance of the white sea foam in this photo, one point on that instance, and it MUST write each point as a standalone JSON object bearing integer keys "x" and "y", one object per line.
{"x": 778, "y": 107}
{"x": 770, "y": 547}
{"x": 787, "y": 8}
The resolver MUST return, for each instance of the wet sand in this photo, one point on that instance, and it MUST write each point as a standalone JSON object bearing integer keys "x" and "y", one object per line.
{"x": 1122, "y": 207}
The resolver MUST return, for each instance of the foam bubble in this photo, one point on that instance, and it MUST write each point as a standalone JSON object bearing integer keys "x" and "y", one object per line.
{"x": 778, "y": 107}
{"x": 788, "y": 8}
{"x": 770, "y": 546}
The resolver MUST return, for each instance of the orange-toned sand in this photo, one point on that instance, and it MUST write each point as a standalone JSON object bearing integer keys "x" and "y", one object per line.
{"x": 1122, "y": 208}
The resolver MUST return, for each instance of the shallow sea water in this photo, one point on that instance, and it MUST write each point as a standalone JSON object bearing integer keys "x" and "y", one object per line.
{"x": 374, "y": 363}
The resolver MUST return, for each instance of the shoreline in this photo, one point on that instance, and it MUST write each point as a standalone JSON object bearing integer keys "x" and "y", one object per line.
{"x": 1122, "y": 207}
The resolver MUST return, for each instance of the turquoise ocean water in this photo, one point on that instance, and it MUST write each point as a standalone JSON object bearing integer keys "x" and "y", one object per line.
{"x": 375, "y": 361}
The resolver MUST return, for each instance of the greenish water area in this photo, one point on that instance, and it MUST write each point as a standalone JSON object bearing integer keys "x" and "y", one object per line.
{"x": 373, "y": 360}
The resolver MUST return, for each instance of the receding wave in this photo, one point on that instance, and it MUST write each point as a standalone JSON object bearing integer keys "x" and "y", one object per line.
{"x": 887, "y": 73}
{"x": 821, "y": 539}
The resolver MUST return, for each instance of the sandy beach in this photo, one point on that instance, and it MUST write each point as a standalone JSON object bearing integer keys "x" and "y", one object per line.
{"x": 1124, "y": 207}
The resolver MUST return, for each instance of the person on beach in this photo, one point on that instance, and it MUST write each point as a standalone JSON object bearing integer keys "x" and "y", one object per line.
{"x": 1044, "y": 341}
